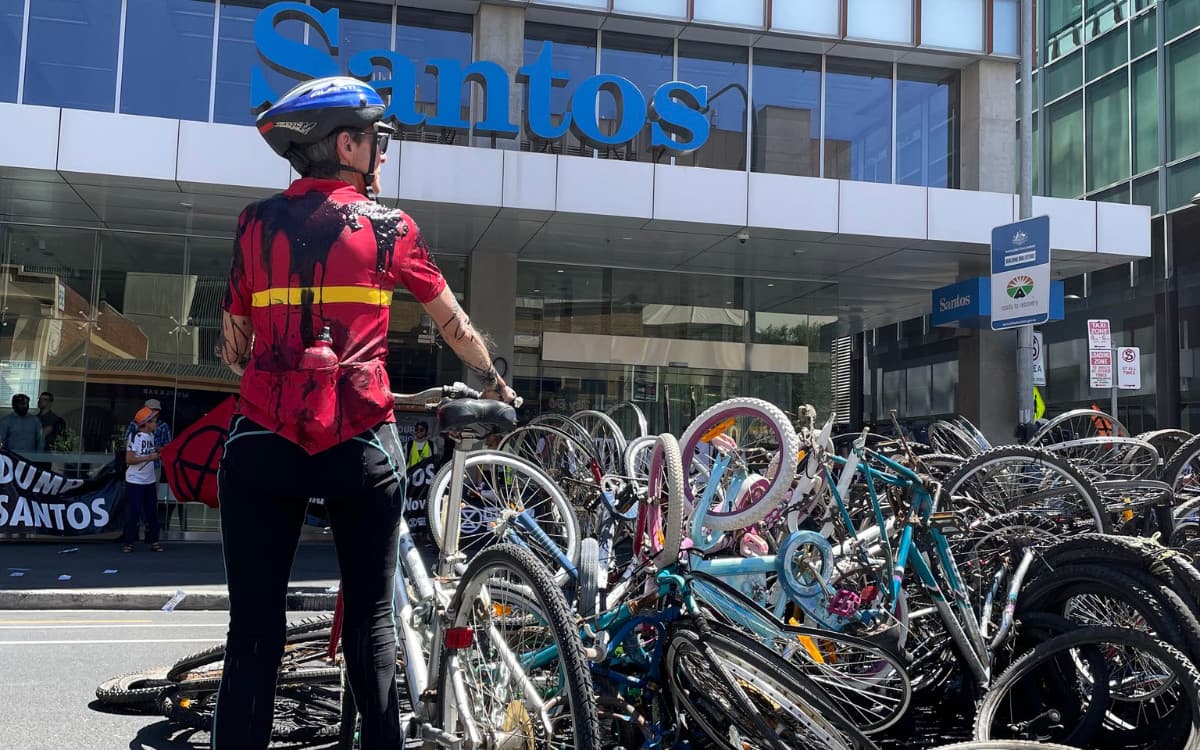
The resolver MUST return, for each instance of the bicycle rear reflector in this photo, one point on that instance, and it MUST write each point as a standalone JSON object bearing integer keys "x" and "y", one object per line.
{"x": 457, "y": 638}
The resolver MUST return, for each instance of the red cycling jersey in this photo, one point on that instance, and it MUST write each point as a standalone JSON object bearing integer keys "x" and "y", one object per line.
{"x": 320, "y": 254}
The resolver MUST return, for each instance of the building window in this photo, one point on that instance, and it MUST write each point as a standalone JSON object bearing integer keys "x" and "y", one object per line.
{"x": 1064, "y": 76}
{"x": 724, "y": 70}
{"x": 1183, "y": 100}
{"x": 926, "y": 127}
{"x": 952, "y": 24}
{"x": 573, "y": 51}
{"x": 879, "y": 20}
{"x": 1145, "y": 192}
{"x": 1182, "y": 16}
{"x": 1108, "y": 131}
{"x": 1006, "y": 25}
{"x": 168, "y": 58}
{"x": 1144, "y": 35}
{"x": 236, "y": 56}
{"x": 858, "y": 120}
{"x": 807, "y": 16}
{"x": 649, "y": 62}
{"x": 1183, "y": 182}
{"x": 1063, "y": 20}
{"x": 1145, "y": 114}
{"x": 1107, "y": 52}
{"x": 734, "y": 12}
{"x": 71, "y": 59}
{"x": 1103, "y": 15}
{"x": 787, "y": 113}
{"x": 1065, "y": 170}
{"x": 12, "y": 17}
{"x": 424, "y": 35}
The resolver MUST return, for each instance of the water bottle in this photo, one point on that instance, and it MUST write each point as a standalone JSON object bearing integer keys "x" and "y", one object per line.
{"x": 319, "y": 354}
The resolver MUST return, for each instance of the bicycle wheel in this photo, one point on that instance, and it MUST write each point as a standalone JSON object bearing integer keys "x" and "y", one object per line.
{"x": 307, "y": 705}
{"x": 739, "y": 694}
{"x": 1103, "y": 685}
{"x": 488, "y": 684}
{"x": 659, "y": 532}
{"x": 637, "y": 458}
{"x": 631, "y": 418}
{"x": 1182, "y": 471}
{"x": 767, "y": 450}
{"x": 507, "y": 499}
{"x": 1076, "y": 424}
{"x": 866, "y": 682}
{"x": 1018, "y": 477}
{"x": 307, "y": 645}
{"x": 607, "y": 438}
{"x": 135, "y": 690}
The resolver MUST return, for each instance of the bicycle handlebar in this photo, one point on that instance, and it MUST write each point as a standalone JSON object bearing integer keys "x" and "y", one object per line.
{"x": 455, "y": 391}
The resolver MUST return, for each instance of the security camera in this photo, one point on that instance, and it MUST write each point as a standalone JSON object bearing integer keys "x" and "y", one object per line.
{"x": 743, "y": 236}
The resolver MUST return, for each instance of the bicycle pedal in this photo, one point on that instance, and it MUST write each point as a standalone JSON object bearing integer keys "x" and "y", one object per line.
{"x": 947, "y": 522}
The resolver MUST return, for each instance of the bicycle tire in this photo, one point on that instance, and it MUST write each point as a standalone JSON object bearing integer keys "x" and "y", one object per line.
{"x": 1164, "y": 655}
{"x": 572, "y": 664}
{"x": 787, "y": 451}
{"x": 693, "y": 650}
{"x": 1054, "y": 591}
{"x": 551, "y": 498}
{"x": 192, "y": 705}
{"x": 134, "y": 689}
{"x": 612, "y": 458}
{"x": 850, "y": 691}
{"x": 587, "y": 600}
{"x": 1170, "y": 566}
{"x": 639, "y": 417}
{"x": 967, "y": 477}
{"x": 305, "y": 630}
{"x": 662, "y": 511}
{"x": 1173, "y": 469}
{"x": 1003, "y": 745}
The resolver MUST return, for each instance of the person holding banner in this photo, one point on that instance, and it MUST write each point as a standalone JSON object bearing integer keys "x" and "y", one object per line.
{"x": 141, "y": 482}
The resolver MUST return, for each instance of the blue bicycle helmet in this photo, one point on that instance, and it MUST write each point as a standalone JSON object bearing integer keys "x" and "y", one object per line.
{"x": 314, "y": 110}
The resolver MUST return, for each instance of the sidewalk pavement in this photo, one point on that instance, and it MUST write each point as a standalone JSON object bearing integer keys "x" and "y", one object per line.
{"x": 103, "y": 577}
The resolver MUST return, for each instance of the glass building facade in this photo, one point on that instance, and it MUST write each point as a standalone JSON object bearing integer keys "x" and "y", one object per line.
{"x": 1117, "y": 118}
{"x": 104, "y": 319}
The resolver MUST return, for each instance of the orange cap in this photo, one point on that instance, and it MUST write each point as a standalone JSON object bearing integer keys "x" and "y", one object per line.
{"x": 144, "y": 415}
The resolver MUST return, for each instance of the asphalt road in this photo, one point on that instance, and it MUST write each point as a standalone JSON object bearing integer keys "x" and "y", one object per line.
{"x": 51, "y": 662}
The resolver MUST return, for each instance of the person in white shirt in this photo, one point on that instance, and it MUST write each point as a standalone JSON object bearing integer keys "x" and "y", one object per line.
{"x": 141, "y": 482}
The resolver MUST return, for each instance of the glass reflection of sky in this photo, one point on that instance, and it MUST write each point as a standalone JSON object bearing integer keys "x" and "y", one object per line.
{"x": 647, "y": 61}
{"x": 858, "y": 112}
{"x": 160, "y": 30}
{"x": 12, "y": 16}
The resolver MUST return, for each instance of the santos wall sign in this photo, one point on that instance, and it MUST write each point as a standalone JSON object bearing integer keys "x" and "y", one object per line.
{"x": 675, "y": 112}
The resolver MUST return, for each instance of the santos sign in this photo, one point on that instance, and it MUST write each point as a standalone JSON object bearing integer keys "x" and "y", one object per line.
{"x": 676, "y": 112}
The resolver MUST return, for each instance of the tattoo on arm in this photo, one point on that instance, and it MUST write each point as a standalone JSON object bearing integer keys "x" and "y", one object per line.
{"x": 236, "y": 341}
{"x": 457, "y": 330}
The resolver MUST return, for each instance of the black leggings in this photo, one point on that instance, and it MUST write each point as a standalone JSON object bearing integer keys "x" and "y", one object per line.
{"x": 265, "y": 483}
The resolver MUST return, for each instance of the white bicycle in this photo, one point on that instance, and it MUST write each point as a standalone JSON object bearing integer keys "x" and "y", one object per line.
{"x": 461, "y": 630}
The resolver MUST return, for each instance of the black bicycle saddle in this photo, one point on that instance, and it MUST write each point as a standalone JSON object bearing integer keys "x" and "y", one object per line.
{"x": 480, "y": 417}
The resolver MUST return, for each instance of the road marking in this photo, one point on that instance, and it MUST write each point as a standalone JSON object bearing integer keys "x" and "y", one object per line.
{"x": 122, "y": 624}
{"x": 93, "y": 643}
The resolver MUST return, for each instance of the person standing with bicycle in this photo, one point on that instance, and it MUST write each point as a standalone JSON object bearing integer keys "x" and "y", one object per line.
{"x": 305, "y": 325}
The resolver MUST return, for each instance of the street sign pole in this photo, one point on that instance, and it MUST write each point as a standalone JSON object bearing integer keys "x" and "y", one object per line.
{"x": 1115, "y": 380}
{"x": 1025, "y": 333}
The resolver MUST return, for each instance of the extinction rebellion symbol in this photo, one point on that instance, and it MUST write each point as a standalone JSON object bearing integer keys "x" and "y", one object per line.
{"x": 1019, "y": 287}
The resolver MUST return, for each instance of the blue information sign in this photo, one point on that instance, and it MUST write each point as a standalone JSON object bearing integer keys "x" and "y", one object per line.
{"x": 1021, "y": 273}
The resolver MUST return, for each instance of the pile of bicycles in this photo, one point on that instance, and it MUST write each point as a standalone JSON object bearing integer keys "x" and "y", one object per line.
{"x": 755, "y": 582}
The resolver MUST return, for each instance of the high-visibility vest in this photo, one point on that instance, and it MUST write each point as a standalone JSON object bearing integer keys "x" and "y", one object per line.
{"x": 417, "y": 455}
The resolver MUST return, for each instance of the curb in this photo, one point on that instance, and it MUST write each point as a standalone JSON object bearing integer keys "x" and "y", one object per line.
{"x": 298, "y": 600}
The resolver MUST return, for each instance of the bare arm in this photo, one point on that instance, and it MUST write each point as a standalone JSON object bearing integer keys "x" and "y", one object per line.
{"x": 456, "y": 329}
{"x": 237, "y": 341}
{"x": 133, "y": 459}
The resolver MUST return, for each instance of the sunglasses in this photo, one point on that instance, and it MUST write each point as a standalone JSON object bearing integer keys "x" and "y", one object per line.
{"x": 381, "y": 139}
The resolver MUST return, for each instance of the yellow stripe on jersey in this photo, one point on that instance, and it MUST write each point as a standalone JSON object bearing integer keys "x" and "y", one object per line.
{"x": 367, "y": 295}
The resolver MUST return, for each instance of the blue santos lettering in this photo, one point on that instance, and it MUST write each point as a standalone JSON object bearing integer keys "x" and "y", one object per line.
{"x": 675, "y": 111}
